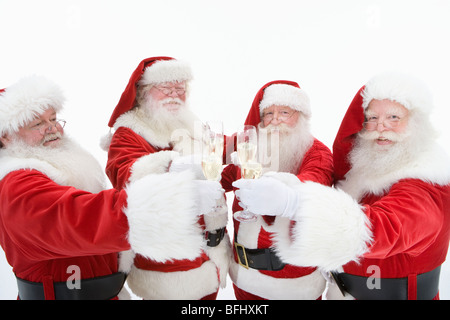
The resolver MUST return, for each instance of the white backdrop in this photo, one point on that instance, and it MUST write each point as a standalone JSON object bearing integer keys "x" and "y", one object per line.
{"x": 331, "y": 48}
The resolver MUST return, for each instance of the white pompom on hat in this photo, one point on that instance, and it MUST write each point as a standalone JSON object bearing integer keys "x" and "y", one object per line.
{"x": 23, "y": 101}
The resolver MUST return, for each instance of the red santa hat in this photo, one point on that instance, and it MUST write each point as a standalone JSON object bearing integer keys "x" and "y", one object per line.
{"x": 279, "y": 92}
{"x": 23, "y": 101}
{"x": 150, "y": 71}
{"x": 404, "y": 89}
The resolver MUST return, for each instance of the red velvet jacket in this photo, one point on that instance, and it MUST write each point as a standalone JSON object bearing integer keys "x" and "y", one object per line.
{"x": 46, "y": 227}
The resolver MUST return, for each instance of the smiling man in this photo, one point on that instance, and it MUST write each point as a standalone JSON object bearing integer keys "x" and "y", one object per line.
{"x": 386, "y": 224}
{"x": 56, "y": 217}
{"x": 154, "y": 133}
{"x": 282, "y": 113}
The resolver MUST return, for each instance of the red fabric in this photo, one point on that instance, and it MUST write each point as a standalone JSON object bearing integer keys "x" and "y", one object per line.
{"x": 49, "y": 291}
{"x": 125, "y": 149}
{"x": 411, "y": 229}
{"x": 343, "y": 143}
{"x": 128, "y": 97}
{"x": 46, "y": 227}
{"x": 169, "y": 266}
{"x": 244, "y": 295}
{"x": 212, "y": 296}
{"x": 412, "y": 287}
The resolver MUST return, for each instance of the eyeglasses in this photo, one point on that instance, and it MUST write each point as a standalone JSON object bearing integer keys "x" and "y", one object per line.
{"x": 282, "y": 116}
{"x": 390, "y": 122}
{"x": 43, "y": 126}
{"x": 169, "y": 90}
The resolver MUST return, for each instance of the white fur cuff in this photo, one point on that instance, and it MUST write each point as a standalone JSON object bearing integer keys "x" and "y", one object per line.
{"x": 331, "y": 229}
{"x": 162, "y": 217}
{"x": 157, "y": 162}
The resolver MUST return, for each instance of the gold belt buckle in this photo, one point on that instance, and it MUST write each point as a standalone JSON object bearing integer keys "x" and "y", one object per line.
{"x": 237, "y": 245}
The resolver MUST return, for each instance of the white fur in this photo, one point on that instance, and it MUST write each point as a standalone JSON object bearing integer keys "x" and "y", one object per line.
{"x": 431, "y": 166}
{"x": 222, "y": 254}
{"x": 166, "y": 71}
{"x": 23, "y": 101}
{"x": 331, "y": 228}
{"x": 173, "y": 232}
{"x": 286, "y": 95}
{"x": 157, "y": 162}
{"x": 309, "y": 287}
{"x": 193, "y": 284}
{"x": 255, "y": 282}
{"x": 185, "y": 136}
{"x": 72, "y": 166}
{"x": 133, "y": 120}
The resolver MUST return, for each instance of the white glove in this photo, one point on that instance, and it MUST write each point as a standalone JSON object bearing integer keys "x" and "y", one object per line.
{"x": 190, "y": 162}
{"x": 267, "y": 196}
{"x": 208, "y": 192}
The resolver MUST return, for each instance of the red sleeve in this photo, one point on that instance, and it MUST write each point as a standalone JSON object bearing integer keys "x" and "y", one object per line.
{"x": 126, "y": 147}
{"x": 44, "y": 220}
{"x": 317, "y": 165}
{"x": 407, "y": 220}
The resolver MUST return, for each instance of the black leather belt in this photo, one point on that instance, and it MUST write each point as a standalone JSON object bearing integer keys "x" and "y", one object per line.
{"x": 98, "y": 288}
{"x": 389, "y": 288}
{"x": 214, "y": 237}
{"x": 260, "y": 259}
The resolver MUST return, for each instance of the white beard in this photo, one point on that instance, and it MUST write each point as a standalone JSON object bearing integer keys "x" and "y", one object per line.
{"x": 77, "y": 167}
{"x": 182, "y": 127}
{"x": 369, "y": 159}
{"x": 291, "y": 146}
{"x": 374, "y": 167}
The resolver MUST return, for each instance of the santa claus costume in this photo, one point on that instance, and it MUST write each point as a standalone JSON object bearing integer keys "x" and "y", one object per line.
{"x": 55, "y": 217}
{"x": 137, "y": 148}
{"x": 387, "y": 222}
{"x": 256, "y": 271}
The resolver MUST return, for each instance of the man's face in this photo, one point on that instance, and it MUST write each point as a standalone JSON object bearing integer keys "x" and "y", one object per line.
{"x": 385, "y": 120}
{"x": 44, "y": 130}
{"x": 275, "y": 115}
{"x": 168, "y": 95}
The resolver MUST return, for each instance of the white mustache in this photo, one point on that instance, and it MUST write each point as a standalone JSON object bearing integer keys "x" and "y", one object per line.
{"x": 51, "y": 136}
{"x": 389, "y": 135}
{"x": 281, "y": 128}
{"x": 171, "y": 101}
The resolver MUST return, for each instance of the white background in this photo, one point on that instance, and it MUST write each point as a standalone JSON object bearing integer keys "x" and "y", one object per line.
{"x": 331, "y": 48}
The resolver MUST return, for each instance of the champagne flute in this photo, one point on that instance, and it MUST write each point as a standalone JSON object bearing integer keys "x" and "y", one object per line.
{"x": 212, "y": 153}
{"x": 247, "y": 142}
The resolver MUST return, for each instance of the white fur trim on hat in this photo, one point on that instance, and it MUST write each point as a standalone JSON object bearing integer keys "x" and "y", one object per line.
{"x": 410, "y": 92}
{"x": 23, "y": 101}
{"x": 286, "y": 95}
{"x": 166, "y": 71}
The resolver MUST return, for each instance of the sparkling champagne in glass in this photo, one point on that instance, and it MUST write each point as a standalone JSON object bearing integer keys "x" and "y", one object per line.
{"x": 212, "y": 153}
{"x": 247, "y": 142}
